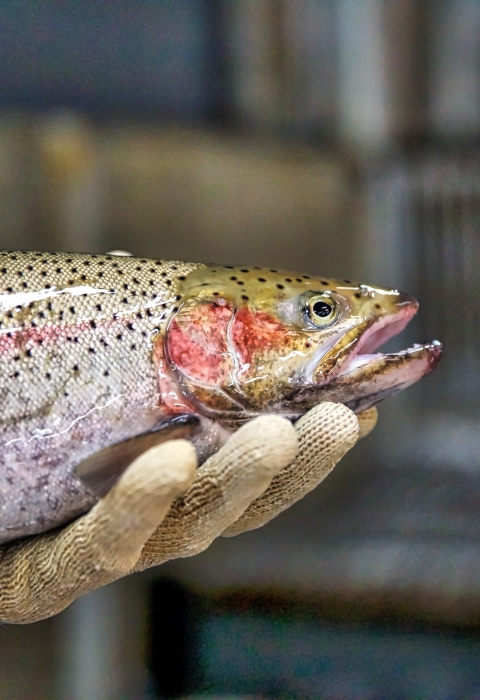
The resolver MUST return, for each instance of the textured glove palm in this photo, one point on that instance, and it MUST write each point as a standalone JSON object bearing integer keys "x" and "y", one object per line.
{"x": 164, "y": 508}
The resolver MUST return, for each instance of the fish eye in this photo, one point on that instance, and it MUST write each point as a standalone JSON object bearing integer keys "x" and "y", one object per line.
{"x": 321, "y": 310}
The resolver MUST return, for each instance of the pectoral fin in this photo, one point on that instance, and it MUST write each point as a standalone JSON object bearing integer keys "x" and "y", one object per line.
{"x": 101, "y": 471}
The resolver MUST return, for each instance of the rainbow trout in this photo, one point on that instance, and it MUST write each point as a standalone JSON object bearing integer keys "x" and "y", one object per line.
{"x": 103, "y": 356}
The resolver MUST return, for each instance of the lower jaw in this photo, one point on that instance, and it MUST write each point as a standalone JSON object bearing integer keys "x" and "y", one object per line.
{"x": 372, "y": 380}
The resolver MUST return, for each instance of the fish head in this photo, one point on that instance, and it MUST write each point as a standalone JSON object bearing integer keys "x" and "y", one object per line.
{"x": 243, "y": 341}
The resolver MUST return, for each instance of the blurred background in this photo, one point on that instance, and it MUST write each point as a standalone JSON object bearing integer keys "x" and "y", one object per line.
{"x": 334, "y": 137}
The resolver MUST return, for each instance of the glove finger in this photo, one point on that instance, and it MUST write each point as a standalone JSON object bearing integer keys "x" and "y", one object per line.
{"x": 367, "y": 421}
{"x": 223, "y": 488}
{"x": 41, "y": 576}
{"x": 324, "y": 434}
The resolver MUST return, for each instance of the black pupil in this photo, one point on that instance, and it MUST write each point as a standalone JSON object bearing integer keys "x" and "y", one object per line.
{"x": 322, "y": 309}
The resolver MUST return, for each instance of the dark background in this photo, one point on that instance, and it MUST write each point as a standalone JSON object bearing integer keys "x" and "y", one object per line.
{"x": 333, "y": 137}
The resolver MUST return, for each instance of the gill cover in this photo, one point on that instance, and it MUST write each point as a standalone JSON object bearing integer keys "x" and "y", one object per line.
{"x": 198, "y": 349}
{"x": 229, "y": 345}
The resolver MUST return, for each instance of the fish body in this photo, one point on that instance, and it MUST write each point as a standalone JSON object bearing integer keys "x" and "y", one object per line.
{"x": 99, "y": 351}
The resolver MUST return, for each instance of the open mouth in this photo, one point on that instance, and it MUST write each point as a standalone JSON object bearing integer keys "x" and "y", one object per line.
{"x": 365, "y": 376}
{"x": 379, "y": 333}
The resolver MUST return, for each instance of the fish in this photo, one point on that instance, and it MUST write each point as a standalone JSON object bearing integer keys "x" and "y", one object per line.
{"x": 103, "y": 356}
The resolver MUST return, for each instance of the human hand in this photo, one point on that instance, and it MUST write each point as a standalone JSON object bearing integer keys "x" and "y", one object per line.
{"x": 164, "y": 508}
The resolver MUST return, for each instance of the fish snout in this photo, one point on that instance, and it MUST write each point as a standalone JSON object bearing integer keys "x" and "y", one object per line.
{"x": 405, "y": 302}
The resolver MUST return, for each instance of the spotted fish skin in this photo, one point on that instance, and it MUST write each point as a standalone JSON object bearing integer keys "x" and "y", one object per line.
{"x": 76, "y": 372}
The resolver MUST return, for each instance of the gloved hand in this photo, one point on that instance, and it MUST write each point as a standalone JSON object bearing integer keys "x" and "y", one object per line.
{"x": 163, "y": 507}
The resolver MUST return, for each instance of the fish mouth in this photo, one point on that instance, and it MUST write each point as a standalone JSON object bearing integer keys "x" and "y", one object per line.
{"x": 362, "y": 377}
{"x": 377, "y": 334}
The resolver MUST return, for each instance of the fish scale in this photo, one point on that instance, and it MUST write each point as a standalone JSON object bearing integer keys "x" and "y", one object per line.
{"x": 76, "y": 370}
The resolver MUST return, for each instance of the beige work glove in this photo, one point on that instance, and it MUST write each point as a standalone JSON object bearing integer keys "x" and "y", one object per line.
{"x": 163, "y": 507}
